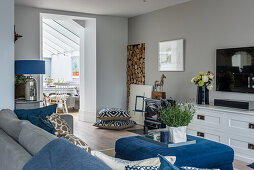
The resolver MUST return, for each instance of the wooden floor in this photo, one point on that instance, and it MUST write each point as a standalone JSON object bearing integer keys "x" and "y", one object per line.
{"x": 99, "y": 139}
{"x": 241, "y": 165}
{"x": 102, "y": 139}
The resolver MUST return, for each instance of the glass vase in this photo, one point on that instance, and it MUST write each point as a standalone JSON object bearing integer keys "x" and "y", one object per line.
{"x": 202, "y": 95}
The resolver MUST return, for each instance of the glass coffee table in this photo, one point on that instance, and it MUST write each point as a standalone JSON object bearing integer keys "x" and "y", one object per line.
{"x": 160, "y": 137}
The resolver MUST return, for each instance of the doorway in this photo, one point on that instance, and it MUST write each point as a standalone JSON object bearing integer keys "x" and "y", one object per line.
{"x": 65, "y": 45}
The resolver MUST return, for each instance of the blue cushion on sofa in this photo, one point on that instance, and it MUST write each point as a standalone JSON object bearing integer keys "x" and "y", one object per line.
{"x": 166, "y": 165}
{"x": 61, "y": 154}
{"x": 37, "y": 116}
{"x": 40, "y": 122}
{"x": 44, "y": 111}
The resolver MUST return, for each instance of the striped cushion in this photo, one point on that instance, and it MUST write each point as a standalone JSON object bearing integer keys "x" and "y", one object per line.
{"x": 113, "y": 114}
{"x": 111, "y": 124}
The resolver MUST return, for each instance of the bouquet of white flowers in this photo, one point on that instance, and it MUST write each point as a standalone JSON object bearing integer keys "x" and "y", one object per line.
{"x": 203, "y": 79}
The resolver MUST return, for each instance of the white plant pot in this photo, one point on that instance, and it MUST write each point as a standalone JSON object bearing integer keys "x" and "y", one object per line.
{"x": 177, "y": 134}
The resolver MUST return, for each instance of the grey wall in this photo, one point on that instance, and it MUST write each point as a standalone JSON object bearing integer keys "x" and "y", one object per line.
{"x": 206, "y": 25}
{"x": 111, "y": 42}
{"x": 27, "y": 22}
{"x": 7, "y": 54}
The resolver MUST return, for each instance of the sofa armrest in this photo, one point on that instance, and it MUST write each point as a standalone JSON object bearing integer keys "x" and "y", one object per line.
{"x": 69, "y": 119}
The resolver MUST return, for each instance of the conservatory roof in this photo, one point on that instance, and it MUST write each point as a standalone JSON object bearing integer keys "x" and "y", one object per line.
{"x": 60, "y": 37}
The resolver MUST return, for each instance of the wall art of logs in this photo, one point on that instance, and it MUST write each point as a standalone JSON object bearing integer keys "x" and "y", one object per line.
{"x": 135, "y": 66}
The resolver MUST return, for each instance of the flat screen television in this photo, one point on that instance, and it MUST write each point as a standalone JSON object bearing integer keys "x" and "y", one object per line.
{"x": 235, "y": 70}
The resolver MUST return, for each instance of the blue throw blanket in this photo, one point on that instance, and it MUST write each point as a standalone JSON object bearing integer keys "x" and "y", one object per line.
{"x": 61, "y": 154}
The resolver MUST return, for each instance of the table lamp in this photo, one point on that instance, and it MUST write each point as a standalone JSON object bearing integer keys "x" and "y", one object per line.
{"x": 30, "y": 67}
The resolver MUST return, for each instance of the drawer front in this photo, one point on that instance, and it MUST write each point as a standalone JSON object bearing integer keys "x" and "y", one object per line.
{"x": 243, "y": 147}
{"x": 207, "y": 118}
{"x": 212, "y": 137}
{"x": 241, "y": 125}
{"x": 204, "y": 134}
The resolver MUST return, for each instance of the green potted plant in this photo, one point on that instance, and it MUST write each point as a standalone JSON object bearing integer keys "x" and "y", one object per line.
{"x": 20, "y": 81}
{"x": 177, "y": 118}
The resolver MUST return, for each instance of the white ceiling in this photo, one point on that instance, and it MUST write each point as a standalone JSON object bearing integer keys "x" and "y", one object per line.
{"x": 126, "y": 8}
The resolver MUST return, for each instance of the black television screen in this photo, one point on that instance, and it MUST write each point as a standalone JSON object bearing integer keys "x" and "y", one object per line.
{"x": 235, "y": 70}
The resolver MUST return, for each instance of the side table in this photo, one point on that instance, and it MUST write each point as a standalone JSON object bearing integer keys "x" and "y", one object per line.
{"x": 24, "y": 104}
{"x": 158, "y": 95}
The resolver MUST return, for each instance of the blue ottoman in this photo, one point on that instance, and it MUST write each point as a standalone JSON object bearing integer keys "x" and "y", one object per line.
{"x": 203, "y": 154}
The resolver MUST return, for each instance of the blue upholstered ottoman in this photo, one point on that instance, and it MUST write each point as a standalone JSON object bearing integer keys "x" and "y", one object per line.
{"x": 203, "y": 154}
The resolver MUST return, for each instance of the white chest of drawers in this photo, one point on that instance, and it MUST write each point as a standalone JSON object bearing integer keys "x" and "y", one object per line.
{"x": 233, "y": 127}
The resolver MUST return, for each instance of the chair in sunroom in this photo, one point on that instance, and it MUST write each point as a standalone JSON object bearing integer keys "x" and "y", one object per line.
{"x": 61, "y": 90}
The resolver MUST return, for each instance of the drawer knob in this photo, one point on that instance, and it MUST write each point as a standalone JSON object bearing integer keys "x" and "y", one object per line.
{"x": 200, "y": 134}
{"x": 251, "y": 126}
{"x": 201, "y": 117}
{"x": 251, "y": 146}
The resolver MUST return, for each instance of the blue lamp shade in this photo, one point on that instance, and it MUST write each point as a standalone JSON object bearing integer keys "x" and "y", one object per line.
{"x": 30, "y": 67}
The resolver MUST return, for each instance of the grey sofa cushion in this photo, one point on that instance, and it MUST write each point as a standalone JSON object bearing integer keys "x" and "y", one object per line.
{"x": 10, "y": 123}
{"x": 8, "y": 113}
{"x": 12, "y": 155}
{"x": 33, "y": 138}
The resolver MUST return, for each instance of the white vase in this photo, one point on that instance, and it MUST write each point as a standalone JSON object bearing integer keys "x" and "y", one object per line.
{"x": 177, "y": 134}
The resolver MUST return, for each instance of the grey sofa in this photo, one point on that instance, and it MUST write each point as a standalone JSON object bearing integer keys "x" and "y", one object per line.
{"x": 20, "y": 140}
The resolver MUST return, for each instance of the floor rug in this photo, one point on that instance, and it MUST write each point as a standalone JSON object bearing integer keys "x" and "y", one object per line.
{"x": 137, "y": 131}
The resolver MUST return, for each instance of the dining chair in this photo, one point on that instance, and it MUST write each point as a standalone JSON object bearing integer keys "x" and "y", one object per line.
{"x": 52, "y": 98}
{"x": 61, "y": 90}
{"x": 46, "y": 100}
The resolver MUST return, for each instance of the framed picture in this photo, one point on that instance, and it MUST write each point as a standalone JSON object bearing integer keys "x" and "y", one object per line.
{"x": 75, "y": 66}
{"x": 139, "y": 104}
{"x": 171, "y": 55}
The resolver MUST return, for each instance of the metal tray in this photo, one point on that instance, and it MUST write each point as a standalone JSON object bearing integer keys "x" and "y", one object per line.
{"x": 169, "y": 145}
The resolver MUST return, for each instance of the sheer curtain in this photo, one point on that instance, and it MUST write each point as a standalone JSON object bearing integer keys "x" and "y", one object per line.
{"x": 61, "y": 68}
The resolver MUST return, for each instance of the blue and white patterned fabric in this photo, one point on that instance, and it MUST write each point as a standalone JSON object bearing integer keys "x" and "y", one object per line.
{"x": 128, "y": 167}
{"x": 111, "y": 124}
{"x": 113, "y": 114}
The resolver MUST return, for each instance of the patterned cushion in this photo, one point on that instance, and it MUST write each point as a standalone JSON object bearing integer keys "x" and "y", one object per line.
{"x": 78, "y": 142}
{"x": 61, "y": 126}
{"x": 117, "y": 125}
{"x": 120, "y": 164}
{"x": 113, "y": 114}
{"x": 62, "y": 129}
{"x": 37, "y": 116}
{"x": 141, "y": 167}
